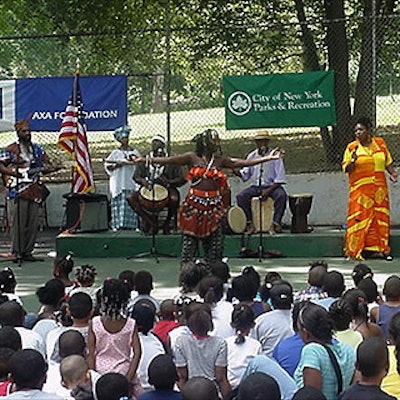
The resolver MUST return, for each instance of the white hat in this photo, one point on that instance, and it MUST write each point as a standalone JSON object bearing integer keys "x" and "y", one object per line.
{"x": 160, "y": 138}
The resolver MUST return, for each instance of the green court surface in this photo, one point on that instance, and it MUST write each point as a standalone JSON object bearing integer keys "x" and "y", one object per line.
{"x": 32, "y": 275}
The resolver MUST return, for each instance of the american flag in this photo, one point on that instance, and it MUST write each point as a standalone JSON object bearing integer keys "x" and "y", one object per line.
{"x": 74, "y": 141}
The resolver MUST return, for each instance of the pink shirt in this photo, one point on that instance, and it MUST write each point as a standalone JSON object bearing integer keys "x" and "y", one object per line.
{"x": 113, "y": 350}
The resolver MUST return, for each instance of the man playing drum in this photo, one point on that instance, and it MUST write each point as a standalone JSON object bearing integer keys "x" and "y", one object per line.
{"x": 159, "y": 185}
{"x": 268, "y": 179}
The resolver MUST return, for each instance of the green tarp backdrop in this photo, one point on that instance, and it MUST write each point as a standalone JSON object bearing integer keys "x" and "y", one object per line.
{"x": 279, "y": 100}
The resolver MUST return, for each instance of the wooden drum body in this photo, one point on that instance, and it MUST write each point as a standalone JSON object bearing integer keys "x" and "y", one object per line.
{"x": 300, "y": 206}
{"x": 267, "y": 210}
{"x": 153, "y": 199}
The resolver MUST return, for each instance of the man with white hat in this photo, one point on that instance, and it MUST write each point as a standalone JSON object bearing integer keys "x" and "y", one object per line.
{"x": 148, "y": 175}
{"x": 268, "y": 181}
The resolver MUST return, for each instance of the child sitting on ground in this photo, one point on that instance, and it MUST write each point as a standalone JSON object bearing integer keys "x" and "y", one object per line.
{"x": 372, "y": 364}
{"x": 86, "y": 276}
{"x": 113, "y": 340}
{"x": 163, "y": 376}
{"x": 167, "y": 320}
{"x": 77, "y": 377}
{"x": 8, "y": 284}
{"x": 385, "y": 311}
{"x": 112, "y": 386}
{"x": 63, "y": 266}
{"x": 5, "y": 384}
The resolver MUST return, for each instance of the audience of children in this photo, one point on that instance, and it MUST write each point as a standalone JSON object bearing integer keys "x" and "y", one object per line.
{"x": 337, "y": 354}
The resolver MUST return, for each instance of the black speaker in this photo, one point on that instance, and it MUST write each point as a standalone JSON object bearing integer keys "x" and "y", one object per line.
{"x": 86, "y": 212}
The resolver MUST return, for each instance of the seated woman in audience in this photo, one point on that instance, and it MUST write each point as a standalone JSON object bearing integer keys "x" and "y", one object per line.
{"x": 391, "y": 383}
{"x": 241, "y": 347}
{"x": 211, "y": 290}
{"x": 359, "y": 314}
{"x": 316, "y": 367}
{"x": 200, "y": 354}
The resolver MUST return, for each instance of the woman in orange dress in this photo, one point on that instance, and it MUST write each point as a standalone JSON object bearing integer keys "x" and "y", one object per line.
{"x": 202, "y": 210}
{"x": 365, "y": 161}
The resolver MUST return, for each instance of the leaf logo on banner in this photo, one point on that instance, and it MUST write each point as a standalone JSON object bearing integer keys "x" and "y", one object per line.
{"x": 239, "y": 103}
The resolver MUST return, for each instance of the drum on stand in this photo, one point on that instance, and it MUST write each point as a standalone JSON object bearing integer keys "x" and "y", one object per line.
{"x": 153, "y": 199}
{"x": 300, "y": 206}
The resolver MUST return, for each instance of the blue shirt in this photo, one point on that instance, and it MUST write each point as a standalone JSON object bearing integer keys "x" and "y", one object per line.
{"x": 269, "y": 366}
{"x": 288, "y": 353}
{"x": 273, "y": 171}
{"x": 161, "y": 395}
{"x": 315, "y": 356}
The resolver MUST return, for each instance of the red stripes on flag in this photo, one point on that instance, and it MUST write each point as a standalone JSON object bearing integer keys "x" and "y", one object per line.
{"x": 73, "y": 140}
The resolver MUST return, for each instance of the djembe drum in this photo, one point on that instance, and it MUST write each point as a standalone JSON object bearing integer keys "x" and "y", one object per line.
{"x": 300, "y": 206}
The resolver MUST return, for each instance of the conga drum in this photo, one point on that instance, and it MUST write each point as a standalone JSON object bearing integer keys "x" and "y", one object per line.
{"x": 153, "y": 199}
{"x": 267, "y": 214}
{"x": 235, "y": 220}
{"x": 300, "y": 206}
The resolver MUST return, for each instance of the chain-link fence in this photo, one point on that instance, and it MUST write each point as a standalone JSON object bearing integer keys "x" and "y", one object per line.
{"x": 175, "y": 81}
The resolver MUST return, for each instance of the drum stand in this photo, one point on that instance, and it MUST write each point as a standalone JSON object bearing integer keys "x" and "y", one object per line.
{"x": 153, "y": 250}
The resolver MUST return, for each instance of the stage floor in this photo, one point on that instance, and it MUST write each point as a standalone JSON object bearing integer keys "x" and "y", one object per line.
{"x": 322, "y": 242}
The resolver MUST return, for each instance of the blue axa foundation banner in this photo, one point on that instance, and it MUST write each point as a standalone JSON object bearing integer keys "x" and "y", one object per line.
{"x": 43, "y": 102}
{"x": 279, "y": 100}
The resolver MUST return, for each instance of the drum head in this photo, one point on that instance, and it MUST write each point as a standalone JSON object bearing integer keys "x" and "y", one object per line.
{"x": 237, "y": 219}
{"x": 160, "y": 192}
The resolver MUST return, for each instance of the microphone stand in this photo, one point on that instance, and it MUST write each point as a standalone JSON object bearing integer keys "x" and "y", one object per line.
{"x": 260, "y": 243}
{"x": 153, "y": 250}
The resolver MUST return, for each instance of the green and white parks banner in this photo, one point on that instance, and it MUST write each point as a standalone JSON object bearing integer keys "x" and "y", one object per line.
{"x": 279, "y": 100}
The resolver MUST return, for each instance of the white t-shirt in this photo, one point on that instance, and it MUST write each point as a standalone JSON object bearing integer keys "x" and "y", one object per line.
{"x": 31, "y": 340}
{"x": 53, "y": 383}
{"x": 239, "y": 356}
{"x": 151, "y": 347}
{"x": 222, "y": 317}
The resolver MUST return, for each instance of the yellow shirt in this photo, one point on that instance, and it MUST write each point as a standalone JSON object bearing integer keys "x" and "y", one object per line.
{"x": 391, "y": 382}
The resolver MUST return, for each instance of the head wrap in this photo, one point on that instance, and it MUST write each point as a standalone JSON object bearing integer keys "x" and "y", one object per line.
{"x": 160, "y": 138}
{"x": 121, "y": 132}
{"x": 22, "y": 125}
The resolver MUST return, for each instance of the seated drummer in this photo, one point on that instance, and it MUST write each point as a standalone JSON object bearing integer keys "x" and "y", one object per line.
{"x": 270, "y": 185}
{"x": 170, "y": 176}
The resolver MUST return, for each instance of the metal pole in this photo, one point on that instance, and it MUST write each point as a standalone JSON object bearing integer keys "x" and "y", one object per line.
{"x": 168, "y": 72}
{"x": 373, "y": 68}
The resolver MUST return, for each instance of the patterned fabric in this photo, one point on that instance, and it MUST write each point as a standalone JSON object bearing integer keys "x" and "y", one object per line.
{"x": 200, "y": 213}
{"x": 113, "y": 350}
{"x": 210, "y": 173}
{"x": 122, "y": 215}
{"x": 212, "y": 247}
{"x": 368, "y": 218}
{"x": 37, "y": 159}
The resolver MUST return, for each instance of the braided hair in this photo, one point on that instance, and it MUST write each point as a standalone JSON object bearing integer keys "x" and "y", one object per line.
{"x": 242, "y": 320}
{"x": 7, "y": 280}
{"x": 204, "y": 139}
{"x": 114, "y": 299}
{"x": 85, "y": 274}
